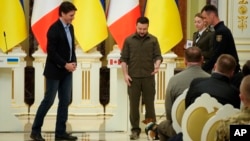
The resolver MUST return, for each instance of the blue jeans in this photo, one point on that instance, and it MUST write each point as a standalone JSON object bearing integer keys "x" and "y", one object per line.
{"x": 64, "y": 89}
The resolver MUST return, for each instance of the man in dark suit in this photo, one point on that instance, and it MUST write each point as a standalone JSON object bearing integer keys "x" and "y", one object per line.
{"x": 223, "y": 39}
{"x": 218, "y": 85}
{"x": 60, "y": 63}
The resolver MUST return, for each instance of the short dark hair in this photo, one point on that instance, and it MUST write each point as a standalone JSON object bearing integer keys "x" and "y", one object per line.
{"x": 193, "y": 54}
{"x": 66, "y": 7}
{"x": 226, "y": 63}
{"x": 142, "y": 20}
{"x": 246, "y": 68}
{"x": 210, "y": 8}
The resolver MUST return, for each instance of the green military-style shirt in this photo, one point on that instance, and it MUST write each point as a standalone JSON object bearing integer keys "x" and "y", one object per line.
{"x": 140, "y": 54}
{"x": 223, "y": 131}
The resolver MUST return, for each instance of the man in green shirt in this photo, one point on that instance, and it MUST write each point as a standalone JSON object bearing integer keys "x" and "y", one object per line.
{"x": 140, "y": 60}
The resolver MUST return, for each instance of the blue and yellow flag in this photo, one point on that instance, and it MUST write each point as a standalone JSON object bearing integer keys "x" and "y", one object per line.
{"x": 89, "y": 23}
{"x": 12, "y": 24}
{"x": 103, "y": 4}
{"x": 164, "y": 23}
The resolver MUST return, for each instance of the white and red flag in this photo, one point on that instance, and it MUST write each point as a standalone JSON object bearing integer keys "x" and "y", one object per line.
{"x": 114, "y": 61}
{"x": 121, "y": 20}
{"x": 45, "y": 12}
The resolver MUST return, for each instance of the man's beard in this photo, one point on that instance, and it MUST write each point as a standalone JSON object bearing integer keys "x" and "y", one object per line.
{"x": 142, "y": 35}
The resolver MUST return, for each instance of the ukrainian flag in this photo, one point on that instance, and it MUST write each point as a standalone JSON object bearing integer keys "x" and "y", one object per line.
{"x": 12, "y": 24}
{"x": 89, "y": 23}
{"x": 12, "y": 60}
{"x": 164, "y": 23}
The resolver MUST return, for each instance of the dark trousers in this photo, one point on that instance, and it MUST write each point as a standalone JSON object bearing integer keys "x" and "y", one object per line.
{"x": 64, "y": 89}
{"x": 144, "y": 87}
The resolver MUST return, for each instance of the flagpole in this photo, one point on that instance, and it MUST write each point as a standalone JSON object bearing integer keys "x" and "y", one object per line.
{"x": 144, "y": 7}
{"x": 107, "y": 8}
{"x": 6, "y": 46}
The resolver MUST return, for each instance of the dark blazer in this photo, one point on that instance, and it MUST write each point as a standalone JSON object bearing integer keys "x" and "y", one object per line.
{"x": 58, "y": 51}
{"x": 218, "y": 86}
{"x": 223, "y": 43}
{"x": 205, "y": 43}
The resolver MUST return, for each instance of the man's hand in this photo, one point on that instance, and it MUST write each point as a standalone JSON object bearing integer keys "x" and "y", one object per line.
{"x": 156, "y": 70}
{"x": 127, "y": 79}
{"x": 70, "y": 66}
{"x": 157, "y": 67}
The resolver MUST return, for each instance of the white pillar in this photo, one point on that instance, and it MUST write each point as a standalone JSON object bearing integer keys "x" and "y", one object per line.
{"x": 162, "y": 78}
{"x": 86, "y": 80}
{"x": 118, "y": 104}
{"x": 170, "y": 64}
{"x": 18, "y": 104}
{"x": 8, "y": 121}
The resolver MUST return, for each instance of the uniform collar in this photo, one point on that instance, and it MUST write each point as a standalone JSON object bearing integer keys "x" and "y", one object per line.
{"x": 220, "y": 77}
{"x": 218, "y": 24}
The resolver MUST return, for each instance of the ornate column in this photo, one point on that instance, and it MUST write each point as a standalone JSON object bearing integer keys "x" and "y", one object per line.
{"x": 162, "y": 79}
{"x": 12, "y": 90}
{"x": 118, "y": 105}
{"x": 86, "y": 83}
{"x": 18, "y": 83}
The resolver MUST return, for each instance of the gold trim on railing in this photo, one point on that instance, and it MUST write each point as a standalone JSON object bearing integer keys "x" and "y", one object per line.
{"x": 161, "y": 86}
{"x": 85, "y": 85}
{"x": 12, "y": 84}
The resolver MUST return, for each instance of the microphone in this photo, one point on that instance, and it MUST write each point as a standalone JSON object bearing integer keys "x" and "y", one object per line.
{"x": 5, "y": 42}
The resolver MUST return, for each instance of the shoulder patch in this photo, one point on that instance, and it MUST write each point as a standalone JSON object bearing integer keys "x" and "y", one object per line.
{"x": 218, "y": 38}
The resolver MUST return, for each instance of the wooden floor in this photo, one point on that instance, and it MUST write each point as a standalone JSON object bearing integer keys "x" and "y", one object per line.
{"x": 86, "y": 128}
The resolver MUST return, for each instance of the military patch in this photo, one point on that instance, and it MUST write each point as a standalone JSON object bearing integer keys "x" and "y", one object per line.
{"x": 218, "y": 38}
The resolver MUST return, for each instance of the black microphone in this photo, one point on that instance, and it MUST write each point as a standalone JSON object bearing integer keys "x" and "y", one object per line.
{"x": 5, "y": 42}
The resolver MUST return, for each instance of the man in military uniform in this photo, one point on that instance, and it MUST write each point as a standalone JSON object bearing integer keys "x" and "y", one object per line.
{"x": 242, "y": 118}
{"x": 140, "y": 61}
{"x": 223, "y": 39}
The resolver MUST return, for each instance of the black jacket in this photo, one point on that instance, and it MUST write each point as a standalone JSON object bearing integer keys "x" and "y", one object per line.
{"x": 223, "y": 43}
{"x": 218, "y": 86}
{"x": 58, "y": 51}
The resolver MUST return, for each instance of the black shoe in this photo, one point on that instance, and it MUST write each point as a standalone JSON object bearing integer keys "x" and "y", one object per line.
{"x": 65, "y": 137}
{"x": 37, "y": 137}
